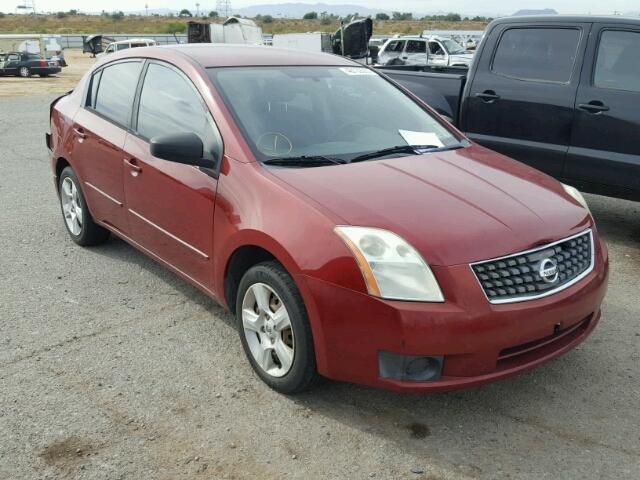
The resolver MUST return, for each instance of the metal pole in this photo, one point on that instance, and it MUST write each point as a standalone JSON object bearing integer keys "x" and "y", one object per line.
{"x": 342, "y": 36}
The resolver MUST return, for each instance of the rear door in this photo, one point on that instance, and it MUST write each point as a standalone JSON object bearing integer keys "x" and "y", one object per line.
{"x": 521, "y": 100}
{"x": 415, "y": 53}
{"x": 100, "y": 129}
{"x": 11, "y": 64}
{"x": 437, "y": 54}
{"x": 605, "y": 144}
{"x": 170, "y": 205}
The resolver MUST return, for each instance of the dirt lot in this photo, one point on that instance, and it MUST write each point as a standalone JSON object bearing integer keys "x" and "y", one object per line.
{"x": 63, "y": 82}
{"x": 113, "y": 368}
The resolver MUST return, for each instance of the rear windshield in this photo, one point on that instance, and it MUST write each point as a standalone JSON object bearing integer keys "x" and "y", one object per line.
{"x": 330, "y": 111}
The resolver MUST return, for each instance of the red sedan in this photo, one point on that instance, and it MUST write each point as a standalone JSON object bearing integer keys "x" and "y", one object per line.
{"x": 355, "y": 234}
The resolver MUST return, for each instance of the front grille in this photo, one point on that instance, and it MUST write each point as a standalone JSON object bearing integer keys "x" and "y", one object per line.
{"x": 536, "y": 273}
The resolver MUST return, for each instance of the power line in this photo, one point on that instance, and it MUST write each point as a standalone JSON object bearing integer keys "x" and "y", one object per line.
{"x": 223, "y": 7}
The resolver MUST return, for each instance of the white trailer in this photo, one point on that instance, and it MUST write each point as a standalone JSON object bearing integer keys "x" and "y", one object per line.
{"x": 233, "y": 30}
{"x": 310, "y": 42}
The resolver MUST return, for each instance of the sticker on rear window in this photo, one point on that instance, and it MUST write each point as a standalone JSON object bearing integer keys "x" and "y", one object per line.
{"x": 357, "y": 71}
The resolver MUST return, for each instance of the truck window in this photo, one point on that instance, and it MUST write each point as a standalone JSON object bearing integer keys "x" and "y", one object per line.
{"x": 395, "y": 46}
{"x": 416, "y": 46}
{"x": 618, "y": 62}
{"x": 435, "y": 48}
{"x": 542, "y": 54}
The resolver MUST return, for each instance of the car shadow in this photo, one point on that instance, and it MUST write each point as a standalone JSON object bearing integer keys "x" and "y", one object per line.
{"x": 120, "y": 251}
{"x": 518, "y": 420}
{"x": 618, "y": 221}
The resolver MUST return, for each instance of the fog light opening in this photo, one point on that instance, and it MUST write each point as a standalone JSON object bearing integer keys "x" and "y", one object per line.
{"x": 409, "y": 368}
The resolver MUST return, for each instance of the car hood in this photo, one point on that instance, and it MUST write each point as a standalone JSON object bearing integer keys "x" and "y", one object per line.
{"x": 455, "y": 207}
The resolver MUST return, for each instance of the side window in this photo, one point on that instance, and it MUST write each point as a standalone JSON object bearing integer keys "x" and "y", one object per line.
{"x": 544, "y": 54}
{"x": 618, "y": 62}
{"x": 395, "y": 46}
{"x": 416, "y": 46}
{"x": 123, "y": 46}
{"x": 117, "y": 89}
{"x": 435, "y": 48}
{"x": 169, "y": 103}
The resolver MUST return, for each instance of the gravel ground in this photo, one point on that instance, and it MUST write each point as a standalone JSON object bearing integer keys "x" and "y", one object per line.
{"x": 111, "y": 367}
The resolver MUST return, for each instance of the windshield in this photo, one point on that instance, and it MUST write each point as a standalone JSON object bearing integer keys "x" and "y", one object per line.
{"x": 337, "y": 112}
{"x": 453, "y": 47}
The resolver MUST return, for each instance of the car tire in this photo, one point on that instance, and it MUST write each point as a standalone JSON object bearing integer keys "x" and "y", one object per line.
{"x": 24, "y": 72}
{"x": 269, "y": 286}
{"x": 77, "y": 218}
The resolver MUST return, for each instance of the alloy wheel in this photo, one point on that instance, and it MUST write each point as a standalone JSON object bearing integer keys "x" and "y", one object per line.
{"x": 268, "y": 330}
{"x": 71, "y": 208}
{"x": 24, "y": 72}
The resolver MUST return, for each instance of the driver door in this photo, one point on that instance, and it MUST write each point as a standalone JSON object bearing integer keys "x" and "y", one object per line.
{"x": 437, "y": 54}
{"x": 170, "y": 205}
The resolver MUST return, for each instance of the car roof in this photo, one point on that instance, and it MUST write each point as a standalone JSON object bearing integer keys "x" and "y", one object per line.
{"x": 226, "y": 55}
{"x": 130, "y": 40}
{"x": 615, "y": 19}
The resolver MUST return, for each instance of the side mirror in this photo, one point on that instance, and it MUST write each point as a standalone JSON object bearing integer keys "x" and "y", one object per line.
{"x": 183, "y": 148}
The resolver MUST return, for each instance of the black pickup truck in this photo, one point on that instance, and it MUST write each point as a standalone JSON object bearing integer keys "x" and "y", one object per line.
{"x": 559, "y": 93}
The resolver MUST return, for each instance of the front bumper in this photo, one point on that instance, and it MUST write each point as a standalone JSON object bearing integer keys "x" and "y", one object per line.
{"x": 479, "y": 342}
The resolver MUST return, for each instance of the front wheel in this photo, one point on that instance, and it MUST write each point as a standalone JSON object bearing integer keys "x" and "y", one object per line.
{"x": 24, "y": 72}
{"x": 275, "y": 330}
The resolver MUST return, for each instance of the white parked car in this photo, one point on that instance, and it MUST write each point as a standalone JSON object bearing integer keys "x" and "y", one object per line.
{"x": 424, "y": 51}
{"x": 130, "y": 43}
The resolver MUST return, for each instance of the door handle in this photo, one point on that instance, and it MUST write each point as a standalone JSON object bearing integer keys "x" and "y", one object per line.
{"x": 132, "y": 163}
{"x": 79, "y": 132}
{"x": 594, "y": 106}
{"x": 488, "y": 96}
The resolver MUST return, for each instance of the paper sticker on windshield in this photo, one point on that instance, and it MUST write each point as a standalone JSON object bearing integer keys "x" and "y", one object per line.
{"x": 421, "y": 138}
{"x": 357, "y": 71}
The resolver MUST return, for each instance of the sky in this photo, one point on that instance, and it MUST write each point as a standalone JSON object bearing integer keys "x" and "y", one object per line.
{"x": 422, "y": 6}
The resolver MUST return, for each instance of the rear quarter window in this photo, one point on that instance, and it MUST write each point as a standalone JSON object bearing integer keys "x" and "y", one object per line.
{"x": 537, "y": 54}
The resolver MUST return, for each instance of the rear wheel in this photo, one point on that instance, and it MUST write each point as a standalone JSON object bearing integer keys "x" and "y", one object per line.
{"x": 24, "y": 72}
{"x": 274, "y": 329}
{"x": 80, "y": 225}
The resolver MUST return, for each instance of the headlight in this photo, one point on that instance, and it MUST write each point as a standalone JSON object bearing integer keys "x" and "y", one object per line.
{"x": 576, "y": 195}
{"x": 391, "y": 267}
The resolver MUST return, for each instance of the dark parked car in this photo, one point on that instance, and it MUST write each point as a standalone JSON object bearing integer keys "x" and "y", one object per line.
{"x": 27, "y": 64}
{"x": 559, "y": 93}
{"x": 365, "y": 241}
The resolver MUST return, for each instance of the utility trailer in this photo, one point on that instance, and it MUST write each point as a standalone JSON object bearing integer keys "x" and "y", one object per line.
{"x": 233, "y": 30}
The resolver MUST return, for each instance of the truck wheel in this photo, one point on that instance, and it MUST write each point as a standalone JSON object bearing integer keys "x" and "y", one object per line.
{"x": 274, "y": 329}
{"x": 80, "y": 225}
{"x": 24, "y": 72}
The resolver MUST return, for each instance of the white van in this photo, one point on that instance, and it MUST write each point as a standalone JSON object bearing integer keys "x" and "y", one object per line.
{"x": 130, "y": 43}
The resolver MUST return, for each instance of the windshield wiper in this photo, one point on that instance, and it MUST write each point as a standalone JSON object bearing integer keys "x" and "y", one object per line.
{"x": 304, "y": 161}
{"x": 410, "y": 149}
